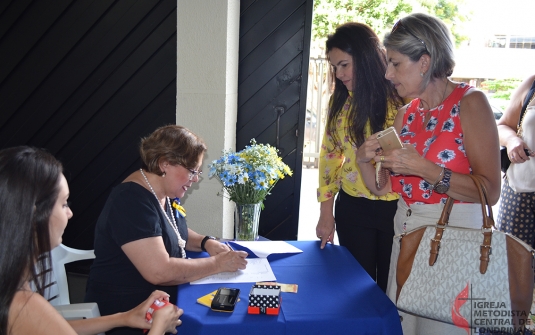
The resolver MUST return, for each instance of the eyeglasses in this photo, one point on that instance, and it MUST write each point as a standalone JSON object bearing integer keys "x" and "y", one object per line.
{"x": 399, "y": 25}
{"x": 193, "y": 173}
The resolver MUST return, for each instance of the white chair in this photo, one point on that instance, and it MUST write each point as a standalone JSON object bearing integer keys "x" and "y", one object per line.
{"x": 86, "y": 310}
{"x": 58, "y": 292}
{"x": 62, "y": 255}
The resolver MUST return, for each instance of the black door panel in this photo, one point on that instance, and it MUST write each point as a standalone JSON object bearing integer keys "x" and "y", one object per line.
{"x": 274, "y": 51}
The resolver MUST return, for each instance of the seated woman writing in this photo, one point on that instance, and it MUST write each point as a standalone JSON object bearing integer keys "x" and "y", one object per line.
{"x": 141, "y": 236}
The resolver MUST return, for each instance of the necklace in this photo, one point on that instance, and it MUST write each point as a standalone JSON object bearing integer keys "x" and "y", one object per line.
{"x": 428, "y": 114}
{"x": 181, "y": 242}
{"x": 427, "y": 119}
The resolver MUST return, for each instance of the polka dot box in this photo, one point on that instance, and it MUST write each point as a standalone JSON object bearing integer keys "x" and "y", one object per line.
{"x": 264, "y": 299}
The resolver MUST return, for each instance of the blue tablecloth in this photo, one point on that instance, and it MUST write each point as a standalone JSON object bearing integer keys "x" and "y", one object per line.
{"x": 335, "y": 296}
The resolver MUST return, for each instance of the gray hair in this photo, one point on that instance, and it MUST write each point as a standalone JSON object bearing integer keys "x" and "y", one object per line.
{"x": 437, "y": 39}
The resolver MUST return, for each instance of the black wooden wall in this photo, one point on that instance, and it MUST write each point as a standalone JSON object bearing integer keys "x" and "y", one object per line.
{"x": 86, "y": 80}
{"x": 272, "y": 79}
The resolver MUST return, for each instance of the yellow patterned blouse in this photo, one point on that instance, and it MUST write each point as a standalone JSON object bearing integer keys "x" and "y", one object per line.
{"x": 338, "y": 166}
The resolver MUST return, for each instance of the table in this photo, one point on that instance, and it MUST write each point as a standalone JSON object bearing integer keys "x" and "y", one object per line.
{"x": 335, "y": 296}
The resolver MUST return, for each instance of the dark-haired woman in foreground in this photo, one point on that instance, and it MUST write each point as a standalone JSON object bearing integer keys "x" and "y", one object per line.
{"x": 33, "y": 215}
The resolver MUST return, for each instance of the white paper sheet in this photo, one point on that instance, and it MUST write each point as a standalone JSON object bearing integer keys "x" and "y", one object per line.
{"x": 258, "y": 269}
{"x": 265, "y": 248}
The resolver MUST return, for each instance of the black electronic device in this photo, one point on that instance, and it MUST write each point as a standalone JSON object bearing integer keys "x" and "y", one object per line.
{"x": 225, "y": 299}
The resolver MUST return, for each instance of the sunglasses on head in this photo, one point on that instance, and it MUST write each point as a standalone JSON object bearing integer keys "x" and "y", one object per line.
{"x": 399, "y": 25}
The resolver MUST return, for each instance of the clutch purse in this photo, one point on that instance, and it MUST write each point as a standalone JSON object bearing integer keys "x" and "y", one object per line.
{"x": 381, "y": 175}
{"x": 504, "y": 159}
{"x": 466, "y": 277}
{"x": 388, "y": 139}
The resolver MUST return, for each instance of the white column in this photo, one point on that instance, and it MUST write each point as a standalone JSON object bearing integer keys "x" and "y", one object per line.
{"x": 207, "y": 93}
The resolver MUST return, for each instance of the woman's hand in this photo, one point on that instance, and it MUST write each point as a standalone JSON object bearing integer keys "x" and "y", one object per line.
{"x": 231, "y": 261}
{"x": 507, "y": 124}
{"x": 135, "y": 318}
{"x": 368, "y": 150}
{"x": 326, "y": 224}
{"x": 165, "y": 320}
{"x": 406, "y": 161}
{"x": 325, "y": 229}
{"x": 214, "y": 247}
{"x": 516, "y": 150}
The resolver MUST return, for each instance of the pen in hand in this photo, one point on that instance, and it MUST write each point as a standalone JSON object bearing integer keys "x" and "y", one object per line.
{"x": 241, "y": 256}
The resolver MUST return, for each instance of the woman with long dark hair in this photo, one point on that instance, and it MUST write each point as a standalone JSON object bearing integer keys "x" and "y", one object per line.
{"x": 33, "y": 215}
{"x": 363, "y": 103}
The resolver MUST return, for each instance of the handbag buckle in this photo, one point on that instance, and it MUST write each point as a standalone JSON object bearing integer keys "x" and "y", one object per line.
{"x": 438, "y": 244}
{"x": 485, "y": 246}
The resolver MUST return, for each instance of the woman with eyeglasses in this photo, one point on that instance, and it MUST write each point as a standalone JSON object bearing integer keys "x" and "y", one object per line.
{"x": 141, "y": 236}
{"x": 448, "y": 131}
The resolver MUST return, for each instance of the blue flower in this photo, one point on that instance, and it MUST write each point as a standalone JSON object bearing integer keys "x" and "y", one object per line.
{"x": 446, "y": 155}
{"x": 448, "y": 125}
{"x": 431, "y": 124}
{"x": 247, "y": 176}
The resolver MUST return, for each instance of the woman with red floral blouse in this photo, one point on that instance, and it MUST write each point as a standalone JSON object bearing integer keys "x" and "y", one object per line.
{"x": 448, "y": 131}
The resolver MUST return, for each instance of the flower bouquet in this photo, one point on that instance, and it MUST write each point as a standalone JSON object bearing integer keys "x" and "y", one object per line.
{"x": 247, "y": 177}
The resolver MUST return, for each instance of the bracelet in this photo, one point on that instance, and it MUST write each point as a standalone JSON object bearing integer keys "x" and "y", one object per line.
{"x": 438, "y": 179}
{"x": 203, "y": 242}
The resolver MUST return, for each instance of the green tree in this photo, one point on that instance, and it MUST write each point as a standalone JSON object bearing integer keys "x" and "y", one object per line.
{"x": 501, "y": 88}
{"x": 448, "y": 11}
{"x": 380, "y": 15}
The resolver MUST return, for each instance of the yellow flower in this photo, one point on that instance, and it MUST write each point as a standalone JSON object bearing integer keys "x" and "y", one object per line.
{"x": 179, "y": 208}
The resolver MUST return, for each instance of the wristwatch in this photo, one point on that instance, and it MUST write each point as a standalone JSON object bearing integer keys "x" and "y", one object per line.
{"x": 203, "y": 242}
{"x": 444, "y": 184}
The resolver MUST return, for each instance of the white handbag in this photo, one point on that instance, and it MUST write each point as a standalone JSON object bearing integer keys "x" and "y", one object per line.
{"x": 472, "y": 278}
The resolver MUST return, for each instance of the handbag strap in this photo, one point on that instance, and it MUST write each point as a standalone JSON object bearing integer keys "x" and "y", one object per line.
{"x": 439, "y": 230}
{"x": 527, "y": 100}
{"x": 488, "y": 224}
{"x": 486, "y": 229}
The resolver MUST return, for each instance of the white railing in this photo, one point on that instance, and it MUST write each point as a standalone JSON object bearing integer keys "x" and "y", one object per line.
{"x": 318, "y": 92}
